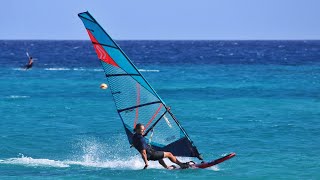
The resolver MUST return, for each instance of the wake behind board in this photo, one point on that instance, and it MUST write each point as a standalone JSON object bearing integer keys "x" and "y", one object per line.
{"x": 209, "y": 164}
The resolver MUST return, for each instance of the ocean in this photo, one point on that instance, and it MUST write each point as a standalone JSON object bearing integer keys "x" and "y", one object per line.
{"x": 259, "y": 99}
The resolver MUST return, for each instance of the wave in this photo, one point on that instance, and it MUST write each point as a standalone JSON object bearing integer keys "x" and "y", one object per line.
{"x": 17, "y": 97}
{"x": 71, "y": 69}
{"x": 98, "y": 70}
{"x": 133, "y": 163}
{"x": 215, "y": 168}
{"x": 57, "y": 69}
{"x": 19, "y": 69}
{"x": 94, "y": 154}
{"x": 79, "y": 69}
{"x": 29, "y": 161}
{"x": 149, "y": 70}
{"x": 82, "y": 69}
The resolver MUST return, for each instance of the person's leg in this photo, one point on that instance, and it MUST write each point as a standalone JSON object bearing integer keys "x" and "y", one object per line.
{"x": 173, "y": 159}
{"x": 163, "y": 163}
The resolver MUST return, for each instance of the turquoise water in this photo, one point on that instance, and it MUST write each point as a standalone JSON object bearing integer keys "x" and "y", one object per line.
{"x": 57, "y": 123}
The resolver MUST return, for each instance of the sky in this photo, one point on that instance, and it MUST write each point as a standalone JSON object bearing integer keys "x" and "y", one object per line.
{"x": 163, "y": 19}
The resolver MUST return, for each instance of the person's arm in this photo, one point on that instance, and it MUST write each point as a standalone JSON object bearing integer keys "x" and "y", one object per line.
{"x": 144, "y": 157}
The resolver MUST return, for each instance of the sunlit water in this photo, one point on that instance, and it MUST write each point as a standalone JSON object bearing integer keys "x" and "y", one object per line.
{"x": 259, "y": 99}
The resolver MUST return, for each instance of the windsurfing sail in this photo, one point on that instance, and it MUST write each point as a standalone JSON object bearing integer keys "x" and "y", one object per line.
{"x": 136, "y": 101}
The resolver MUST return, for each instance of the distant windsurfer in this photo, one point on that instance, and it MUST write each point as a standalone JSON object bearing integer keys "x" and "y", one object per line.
{"x": 30, "y": 63}
{"x": 147, "y": 153}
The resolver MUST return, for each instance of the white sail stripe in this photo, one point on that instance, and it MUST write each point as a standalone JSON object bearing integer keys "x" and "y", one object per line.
{"x": 103, "y": 53}
{"x": 97, "y": 50}
{"x": 100, "y": 52}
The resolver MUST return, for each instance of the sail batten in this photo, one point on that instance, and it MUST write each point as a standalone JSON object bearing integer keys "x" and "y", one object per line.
{"x": 135, "y": 100}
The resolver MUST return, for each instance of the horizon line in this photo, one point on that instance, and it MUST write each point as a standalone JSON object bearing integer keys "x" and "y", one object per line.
{"x": 164, "y": 39}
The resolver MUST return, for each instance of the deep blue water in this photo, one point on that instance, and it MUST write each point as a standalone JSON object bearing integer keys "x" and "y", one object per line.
{"x": 259, "y": 99}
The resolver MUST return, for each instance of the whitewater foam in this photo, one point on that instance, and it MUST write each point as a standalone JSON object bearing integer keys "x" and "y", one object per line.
{"x": 94, "y": 153}
{"x": 29, "y": 161}
{"x": 57, "y": 69}
{"x": 17, "y": 97}
{"x": 133, "y": 163}
{"x": 149, "y": 70}
{"x": 19, "y": 69}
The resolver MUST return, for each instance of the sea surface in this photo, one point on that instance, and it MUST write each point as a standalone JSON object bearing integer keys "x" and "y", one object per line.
{"x": 259, "y": 99}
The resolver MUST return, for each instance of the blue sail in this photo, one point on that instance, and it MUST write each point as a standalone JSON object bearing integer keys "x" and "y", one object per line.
{"x": 135, "y": 100}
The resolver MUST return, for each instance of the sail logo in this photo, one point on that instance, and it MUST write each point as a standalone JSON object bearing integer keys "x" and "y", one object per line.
{"x": 167, "y": 121}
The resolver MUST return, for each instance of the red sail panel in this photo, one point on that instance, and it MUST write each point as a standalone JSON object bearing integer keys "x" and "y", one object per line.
{"x": 101, "y": 52}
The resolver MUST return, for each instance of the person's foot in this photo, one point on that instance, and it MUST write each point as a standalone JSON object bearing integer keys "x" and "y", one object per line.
{"x": 184, "y": 165}
{"x": 172, "y": 167}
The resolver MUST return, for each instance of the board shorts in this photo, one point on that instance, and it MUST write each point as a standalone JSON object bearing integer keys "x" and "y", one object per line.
{"x": 155, "y": 155}
{"x": 28, "y": 66}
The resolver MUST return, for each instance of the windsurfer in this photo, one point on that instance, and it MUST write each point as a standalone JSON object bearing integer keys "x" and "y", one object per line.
{"x": 147, "y": 153}
{"x": 30, "y": 63}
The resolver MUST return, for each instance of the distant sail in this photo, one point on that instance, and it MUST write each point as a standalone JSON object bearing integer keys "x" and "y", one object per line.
{"x": 136, "y": 101}
{"x": 30, "y": 62}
